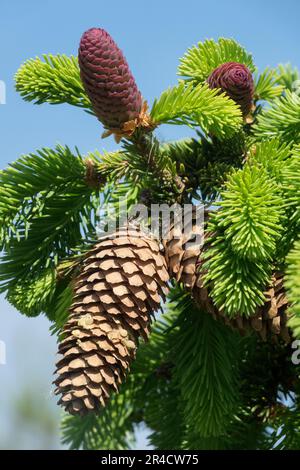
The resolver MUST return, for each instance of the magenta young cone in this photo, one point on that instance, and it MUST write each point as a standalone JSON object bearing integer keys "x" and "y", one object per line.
{"x": 107, "y": 80}
{"x": 236, "y": 81}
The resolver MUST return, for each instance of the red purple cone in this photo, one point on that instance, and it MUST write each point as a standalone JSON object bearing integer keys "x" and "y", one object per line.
{"x": 107, "y": 80}
{"x": 236, "y": 81}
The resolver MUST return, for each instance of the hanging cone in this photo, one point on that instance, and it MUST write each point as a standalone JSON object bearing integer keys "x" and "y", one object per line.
{"x": 184, "y": 265}
{"x": 270, "y": 320}
{"x": 120, "y": 286}
{"x": 272, "y": 317}
{"x": 182, "y": 250}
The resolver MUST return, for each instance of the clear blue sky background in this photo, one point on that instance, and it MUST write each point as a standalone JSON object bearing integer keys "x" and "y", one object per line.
{"x": 153, "y": 35}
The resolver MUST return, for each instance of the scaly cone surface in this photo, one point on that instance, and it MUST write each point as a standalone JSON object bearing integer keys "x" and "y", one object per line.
{"x": 120, "y": 286}
{"x": 270, "y": 320}
{"x": 108, "y": 81}
{"x": 184, "y": 263}
{"x": 236, "y": 81}
{"x": 182, "y": 249}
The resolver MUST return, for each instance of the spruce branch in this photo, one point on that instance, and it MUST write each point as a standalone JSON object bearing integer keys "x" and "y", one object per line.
{"x": 282, "y": 119}
{"x": 291, "y": 185}
{"x": 54, "y": 80}
{"x": 266, "y": 85}
{"x": 285, "y": 431}
{"x": 281, "y": 162}
{"x": 50, "y": 237}
{"x": 154, "y": 371}
{"x": 112, "y": 429}
{"x": 251, "y": 213}
{"x": 28, "y": 182}
{"x": 245, "y": 235}
{"x": 273, "y": 155}
{"x": 32, "y": 296}
{"x": 293, "y": 287}
{"x": 236, "y": 285}
{"x": 205, "y": 358}
{"x": 153, "y": 168}
{"x": 200, "y": 106}
{"x": 58, "y": 307}
{"x": 206, "y": 164}
{"x": 199, "y": 61}
{"x": 47, "y": 208}
{"x": 288, "y": 76}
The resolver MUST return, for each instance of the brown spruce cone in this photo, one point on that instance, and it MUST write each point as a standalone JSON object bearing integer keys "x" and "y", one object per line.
{"x": 269, "y": 320}
{"x": 182, "y": 258}
{"x": 184, "y": 266}
{"x": 120, "y": 286}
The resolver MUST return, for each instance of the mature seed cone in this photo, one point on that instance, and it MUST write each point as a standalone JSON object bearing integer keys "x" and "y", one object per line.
{"x": 236, "y": 81}
{"x": 270, "y": 320}
{"x": 109, "y": 82}
{"x": 182, "y": 249}
{"x": 120, "y": 286}
{"x": 184, "y": 265}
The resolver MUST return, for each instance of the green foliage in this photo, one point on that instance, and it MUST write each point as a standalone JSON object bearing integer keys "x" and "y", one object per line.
{"x": 285, "y": 433}
{"x": 206, "y": 164}
{"x": 191, "y": 354}
{"x": 47, "y": 208}
{"x": 282, "y": 119}
{"x": 127, "y": 167}
{"x": 27, "y": 183}
{"x": 251, "y": 213}
{"x": 160, "y": 178}
{"x": 198, "y": 106}
{"x": 164, "y": 416}
{"x": 293, "y": 287}
{"x": 237, "y": 284}
{"x": 288, "y": 76}
{"x": 153, "y": 371}
{"x": 266, "y": 86}
{"x": 273, "y": 155}
{"x": 281, "y": 162}
{"x": 51, "y": 236}
{"x": 111, "y": 429}
{"x": 291, "y": 185}
{"x": 32, "y": 296}
{"x": 58, "y": 308}
{"x": 268, "y": 384}
{"x": 201, "y": 60}
{"x": 54, "y": 80}
{"x": 246, "y": 232}
{"x": 205, "y": 357}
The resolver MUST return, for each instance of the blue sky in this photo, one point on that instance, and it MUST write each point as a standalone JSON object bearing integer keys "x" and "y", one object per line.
{"x": 153, "y": 35}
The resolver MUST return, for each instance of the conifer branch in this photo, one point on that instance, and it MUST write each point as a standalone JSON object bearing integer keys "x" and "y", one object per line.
{"x": 252, "y": 212}
{"x": 293, "y": 287}
{"x": 282, "y": 119}
{"x": 266, "y": 85}
{"x": 201, "y": 60}
{"x": 198, "y": 106}
{"x": 53, "y": 80}
{"x": 288, "y": 76}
